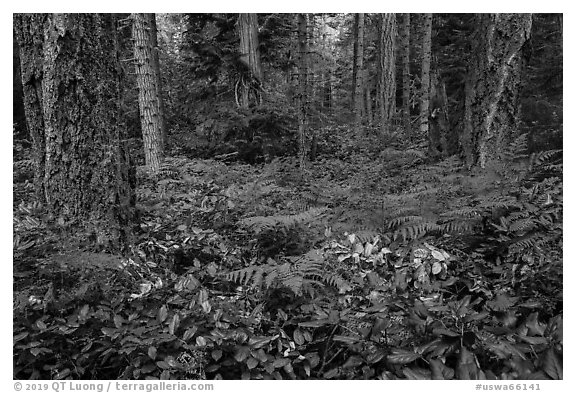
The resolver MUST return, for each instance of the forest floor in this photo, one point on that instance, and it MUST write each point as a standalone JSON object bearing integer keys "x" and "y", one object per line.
{"x": 367, "y": 265}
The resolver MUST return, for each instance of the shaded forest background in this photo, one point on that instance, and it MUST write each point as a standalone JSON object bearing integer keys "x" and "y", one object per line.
{"x": 288, "y": 196}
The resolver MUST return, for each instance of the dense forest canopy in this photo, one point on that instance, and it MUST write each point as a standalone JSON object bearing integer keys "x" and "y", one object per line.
{"x": 288, "y": 196}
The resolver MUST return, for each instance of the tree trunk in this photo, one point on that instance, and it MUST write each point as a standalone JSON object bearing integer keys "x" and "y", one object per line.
{"x": 425, "y": 88}
{"x": 561, "y": 29}
{"x": 251, "y": 80}
{"x": 438, "y": 123}
{"x": 327, "y": 94}
{"x": 405, "y": 61}
{"x": 156, "y": 66}
{"x": 87, "y": 180}
{"x": 387, "y": 70}
{"x": 359, "y": 70}
{"x": 29, "y": 31}
{"x": 302, "y": 88}
{"x": 354, "y": 64}
{"x": 492, "y": 86}
{"x": 18, "y": 112}
{"x": 148, "y": 99}
{"x": 368, "y": 99}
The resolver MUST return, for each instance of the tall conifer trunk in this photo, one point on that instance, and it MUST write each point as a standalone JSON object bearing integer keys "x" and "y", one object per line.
{"x": 387, "y": 70}
{"x": 405, "y": 66}
{"x": 358, "y": 72}
{"x": 159, "y": 87}
{"x": 29, "y": 30}
{"x": 148, "y": 98}
{"x": 425, "y": 79}
{"x": 492, "y": 86}
{"x": 88, "y": 180}
{"x": 302, "y": 87}
{"x": 251, "y": 81}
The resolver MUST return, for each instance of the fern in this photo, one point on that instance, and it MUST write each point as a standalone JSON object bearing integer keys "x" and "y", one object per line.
{"x": 242, "y": 276}
{"x": 522, "y": 244}
{"x": 463, "y": 212}
{"x": 522, "y": 225}
{"x": 544, "y": 157}
{"x": 259, "y": 224}
{"x": 517, "y": 149}
{"x": 299, "y": 274}
{"x": 337, "y": 281}
{"x": 496, "y": 203}
{"x": 460, "y": 227}
{"x": 396, "y": 222}
{"x": 417, "y": 230}
{"x": 366, "y": 235}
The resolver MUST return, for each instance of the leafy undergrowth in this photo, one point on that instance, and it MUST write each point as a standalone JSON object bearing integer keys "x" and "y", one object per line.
{"x": 372, "y": 265}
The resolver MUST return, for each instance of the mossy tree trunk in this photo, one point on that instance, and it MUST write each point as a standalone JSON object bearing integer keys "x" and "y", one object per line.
{"x": 156, "y": 66}
{"x": 88, "y": 180}
{"x": 148, "y": 97}
{"x": 302, "y": 87}
{"x": 425, "y": 79}
{"x": 387, "y": 70}
{"x": 492, "y": 87}
{"x": 327, "y": 90}
{"x": 251, "y": 80}
{"x": 438, "y": 122}
{"x": 29, "y": 32}
{"x": 368, "y": 97}
{"x": 405, "y": 66}
{"x": 358, "y": 70}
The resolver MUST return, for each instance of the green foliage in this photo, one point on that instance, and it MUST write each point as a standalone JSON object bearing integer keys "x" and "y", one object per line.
{"x": 23, "y": 170}
{"x": 201, "y": 298}
{"x": 260, "y": 224}
{"x": 372, "y": 263}
{"x": 297, "y": 275}
{"x": 290, "y": 234}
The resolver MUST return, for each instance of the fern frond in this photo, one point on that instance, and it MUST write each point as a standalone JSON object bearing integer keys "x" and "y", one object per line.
{"x": 417, "y": 230}
{"x": 500, "y": 203}
{"x": 292, "y": 274}
{"x": 518, "y": 148}
{"x": 545, "y": 156}
{"x": 395, "y": 222}
{"x": 294, "y": 283}
{"x": 260, "y": 223}
{"x": 521, "y": 244}
{"x": 460, "y": 226}
{"x": 522, "y": 225}
{"x": 242, "y": 276}
{"x": 337, "y": 281}
{"x": 271, "y": 277}
{"x": 366, "y": 235}
{"x": 406, "y": 211}
{"x": 463, "y": 212}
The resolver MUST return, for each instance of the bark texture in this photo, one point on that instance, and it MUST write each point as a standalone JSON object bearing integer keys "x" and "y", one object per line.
{"x": 302, "y": 86}
{"x": 148, "y": 89}
{"x": 438, "y": 122}
{"x": 425, "y": 88}
{"x": 405, "y": 66}
{"x": 251, "y": 81}
{"x": 368, "y": 97}
{"x": 327, "y": 90}
{"x": 387, "y": 69}
{"x": 357, "y": 97}
{"x": 492, "y": 87}
{"x": 29, "y": 31}
{"x": 87, "y": 180}
{"x": 159, "y": 85}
